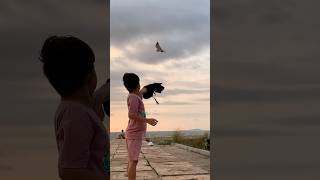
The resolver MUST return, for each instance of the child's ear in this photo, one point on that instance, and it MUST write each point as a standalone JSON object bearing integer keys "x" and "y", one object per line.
{"x": 88, "y": 77}
{"x": 91, "y": 80}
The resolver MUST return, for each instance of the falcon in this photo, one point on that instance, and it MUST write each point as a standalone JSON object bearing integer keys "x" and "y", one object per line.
{"x": 159, "y": 49}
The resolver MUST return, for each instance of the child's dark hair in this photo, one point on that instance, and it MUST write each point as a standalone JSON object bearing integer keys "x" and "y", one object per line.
{"x": 130, "y": 81}
{"x": 67, "y": 61}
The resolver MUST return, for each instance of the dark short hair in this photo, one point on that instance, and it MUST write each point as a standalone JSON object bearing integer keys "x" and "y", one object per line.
{"x": 130, "y": 81}
{"x": 67, "y": 61}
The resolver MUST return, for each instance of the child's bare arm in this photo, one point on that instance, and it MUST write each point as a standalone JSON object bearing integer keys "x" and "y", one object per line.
{"x": 102, "y": 94}
{"x": 136, "y": 117}
{"x": 150, "y": 121}
{"x": 142, "y": 91}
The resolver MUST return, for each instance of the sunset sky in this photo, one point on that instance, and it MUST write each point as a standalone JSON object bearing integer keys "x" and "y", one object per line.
{"x": 182, "y": 29}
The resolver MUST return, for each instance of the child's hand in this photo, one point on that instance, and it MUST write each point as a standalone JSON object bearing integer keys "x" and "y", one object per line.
{"x": 152, "y": 121}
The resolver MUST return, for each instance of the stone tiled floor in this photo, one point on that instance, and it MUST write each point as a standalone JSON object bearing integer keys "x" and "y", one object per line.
{"x": 155, "y": 163}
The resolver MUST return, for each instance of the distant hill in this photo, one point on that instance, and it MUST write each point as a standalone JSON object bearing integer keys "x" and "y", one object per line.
{"x": 195, "y": 130}
{"x": 192, "y": 132}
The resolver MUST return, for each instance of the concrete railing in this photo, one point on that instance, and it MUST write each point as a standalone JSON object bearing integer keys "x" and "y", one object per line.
{"x": 192, "y": 149}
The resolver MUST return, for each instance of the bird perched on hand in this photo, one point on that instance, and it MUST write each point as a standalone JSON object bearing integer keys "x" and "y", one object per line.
{"x": 159, "y": 49}
{"x": 152, "y": 89}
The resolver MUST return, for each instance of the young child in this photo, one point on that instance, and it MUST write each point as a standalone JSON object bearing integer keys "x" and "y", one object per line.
{"x": 81, "y": 137}
{"x": 137, "y": 124}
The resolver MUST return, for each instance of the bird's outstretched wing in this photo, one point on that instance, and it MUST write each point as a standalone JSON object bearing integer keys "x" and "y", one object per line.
{"x": 159, "y": 49}
{"x": 152, "y": 89}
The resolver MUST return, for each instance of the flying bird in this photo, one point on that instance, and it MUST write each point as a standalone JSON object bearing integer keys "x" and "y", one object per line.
{"x": 159, "y": 49}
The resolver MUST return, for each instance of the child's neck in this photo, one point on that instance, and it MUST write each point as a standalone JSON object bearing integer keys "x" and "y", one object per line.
{"x": 136, "y": 92}
{"x": 80, "y": 96}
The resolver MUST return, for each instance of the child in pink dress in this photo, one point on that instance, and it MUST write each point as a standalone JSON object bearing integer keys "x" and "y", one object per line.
{"x": 137, "y": 124}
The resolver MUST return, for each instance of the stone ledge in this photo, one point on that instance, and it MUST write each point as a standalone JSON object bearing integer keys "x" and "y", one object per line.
{"x": 192, "y": 149}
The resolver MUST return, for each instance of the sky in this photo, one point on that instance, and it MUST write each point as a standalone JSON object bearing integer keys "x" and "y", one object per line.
{"x": 266, "y": 71}
{"x": 183, "y": 30}
{"x": 266, "y": 89}
{"x": 26, "y": 96}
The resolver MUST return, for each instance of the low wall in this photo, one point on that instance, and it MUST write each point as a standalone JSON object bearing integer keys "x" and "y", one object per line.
{"x": 192, "y": 149}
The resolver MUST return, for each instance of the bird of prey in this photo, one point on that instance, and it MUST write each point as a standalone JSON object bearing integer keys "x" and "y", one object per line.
{"x": 159, "y": 49}
{"x": 152, "y": 89}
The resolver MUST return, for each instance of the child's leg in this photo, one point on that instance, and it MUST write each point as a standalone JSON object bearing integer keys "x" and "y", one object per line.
{"x": 126, "y": 174}
{"x": 132, "y": 170}
{"x": 128, "y": 159}
{"x": 134, "y": 148}
{"x": 127, "y": 167}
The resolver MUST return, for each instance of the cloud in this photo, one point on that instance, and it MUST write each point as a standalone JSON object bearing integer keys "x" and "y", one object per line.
{"x": 179, "y": 103}
{"x": 136, "y": 27}
{"x": 173, "y": 78}
{"x": 186, "y": 91}
{"x": 182, "y": 29}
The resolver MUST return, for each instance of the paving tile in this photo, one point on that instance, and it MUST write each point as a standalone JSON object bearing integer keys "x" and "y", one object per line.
{"x": 123, "y": 168}
{"x": 162, "y": 159}
{"x": 187, "y": 177}
{"x": 177, "y": 168}
{"x": 142, "y": 175}
{"x": 154, "y": 163}
{"x": 140, "y": 161}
